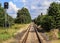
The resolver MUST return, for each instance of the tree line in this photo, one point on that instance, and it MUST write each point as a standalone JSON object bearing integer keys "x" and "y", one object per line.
{"x": 9, "y": 20}
{"x": 23, "y": 16}
{"x": 52, "y": 19}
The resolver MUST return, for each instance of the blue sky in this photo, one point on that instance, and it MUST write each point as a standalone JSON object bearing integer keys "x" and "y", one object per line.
{"x": 35, "y": 7}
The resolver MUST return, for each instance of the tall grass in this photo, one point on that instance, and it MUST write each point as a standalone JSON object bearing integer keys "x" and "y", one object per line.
{"x": 6, "y": 33}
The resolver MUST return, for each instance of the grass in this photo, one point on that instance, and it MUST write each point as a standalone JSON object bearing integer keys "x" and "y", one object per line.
{"x": 6, "y": 33}
{"x": 59, "y": 35}
{"x": 49, "y": 35}
{"x": 55, "y": 41}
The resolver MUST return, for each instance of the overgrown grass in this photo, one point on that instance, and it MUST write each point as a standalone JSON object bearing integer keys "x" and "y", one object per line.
{"x": 59, "y": 35}
{"x": 55, "y": 41}
{"x": 6, "y": 33}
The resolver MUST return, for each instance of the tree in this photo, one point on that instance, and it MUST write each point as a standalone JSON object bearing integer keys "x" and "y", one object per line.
{"x": 2, "y": 18}
{"x": 52, "y": 19}
{"x": 23, "y": 16}
{"x": 45, "y": 21}
{"x": 54, "y": 10}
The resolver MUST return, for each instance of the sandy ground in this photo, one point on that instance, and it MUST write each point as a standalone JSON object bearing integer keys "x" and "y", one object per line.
{"x": 32, "y": 37}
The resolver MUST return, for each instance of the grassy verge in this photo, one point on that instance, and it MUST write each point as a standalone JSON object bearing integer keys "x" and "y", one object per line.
{"x": 6, "y": 33}
{"x": 59, "y": 35}
{"x": 53, "y": 41}
{"x": 57, "y": 41}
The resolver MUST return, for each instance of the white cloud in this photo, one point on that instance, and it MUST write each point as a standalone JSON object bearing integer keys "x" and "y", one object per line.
{"x": 24, "y": 1}
{"x": 33, "y": 7}
{"x": 12, "y": 9}
{"x": 46, "y": 3}
{"x": 13, "y": 6}
{"x": 19, "y": 1}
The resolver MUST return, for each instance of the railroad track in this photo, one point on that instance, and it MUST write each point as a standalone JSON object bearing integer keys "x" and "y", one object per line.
{"x": 31, "y": 35}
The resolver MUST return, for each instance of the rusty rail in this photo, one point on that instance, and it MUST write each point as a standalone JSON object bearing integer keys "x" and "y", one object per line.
{"x": 24, "y": 38}
{"x": 37, "y": 34}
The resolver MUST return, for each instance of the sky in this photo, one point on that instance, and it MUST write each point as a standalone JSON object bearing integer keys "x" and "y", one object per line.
{"x": 35, "y": 7}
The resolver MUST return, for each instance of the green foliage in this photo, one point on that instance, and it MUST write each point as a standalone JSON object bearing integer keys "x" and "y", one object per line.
{"x": 2, "y": 17}
{"x": 23, "y": 16}
{"x": 37, "y": 20}
{"x": 52, "y": 19}
{"x": 54, "y": 10}
{"x": 47, "y": 22}
{"x": 59, "y": 34}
